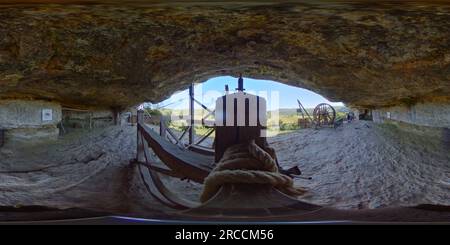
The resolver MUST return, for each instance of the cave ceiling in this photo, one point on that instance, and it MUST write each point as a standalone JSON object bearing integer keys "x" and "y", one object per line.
{"x": 115, "y": 54}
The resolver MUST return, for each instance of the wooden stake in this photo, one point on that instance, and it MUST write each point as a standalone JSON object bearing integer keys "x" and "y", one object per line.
{"x": 140, "y": 147}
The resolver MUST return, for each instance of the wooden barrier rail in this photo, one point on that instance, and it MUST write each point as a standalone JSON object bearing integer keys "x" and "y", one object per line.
{"x": 175, "y": 165}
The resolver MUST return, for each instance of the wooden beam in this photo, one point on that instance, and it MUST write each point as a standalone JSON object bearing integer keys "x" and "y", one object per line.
{"x": 184, "y": 133}
{"x": 73, "y": 109}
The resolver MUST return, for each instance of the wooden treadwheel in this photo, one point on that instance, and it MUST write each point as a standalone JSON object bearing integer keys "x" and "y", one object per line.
{"x": 324, "y": 114}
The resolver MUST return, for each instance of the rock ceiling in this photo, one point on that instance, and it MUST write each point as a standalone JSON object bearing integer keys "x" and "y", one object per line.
{"x": 110, "y": 55}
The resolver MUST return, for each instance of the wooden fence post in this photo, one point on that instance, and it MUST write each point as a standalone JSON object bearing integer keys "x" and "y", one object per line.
{"x": 140, "y": 146}
{"x": 2, "y": 137}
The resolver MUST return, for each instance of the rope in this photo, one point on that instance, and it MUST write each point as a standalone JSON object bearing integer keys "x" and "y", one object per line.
{"x": 248, "y": 164}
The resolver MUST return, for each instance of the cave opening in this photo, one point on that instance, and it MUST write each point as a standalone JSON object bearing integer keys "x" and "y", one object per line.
{"x": 289, "y": 108}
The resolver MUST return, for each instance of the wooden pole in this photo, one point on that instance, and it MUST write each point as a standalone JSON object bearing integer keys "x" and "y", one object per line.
{"x": 191, "y": 113}
{"x": 140, "y": 147}
{"x": 307, "y": 114}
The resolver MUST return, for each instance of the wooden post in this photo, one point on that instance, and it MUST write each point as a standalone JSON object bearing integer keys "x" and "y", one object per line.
{"x": 446, "y": 137}
{"x": 191, "y": 113}
{"x": 162, "y": 126}
{"x": 90, "y": 120}
{"x": 140, "y": 147}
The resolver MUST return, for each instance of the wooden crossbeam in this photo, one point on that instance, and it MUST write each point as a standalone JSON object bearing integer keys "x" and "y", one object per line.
{"x": 184, "y": 133}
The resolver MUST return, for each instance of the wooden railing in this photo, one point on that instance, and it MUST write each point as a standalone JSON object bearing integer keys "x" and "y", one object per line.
{"x": 149, "y": 171}
{"x": 195, "y": 145}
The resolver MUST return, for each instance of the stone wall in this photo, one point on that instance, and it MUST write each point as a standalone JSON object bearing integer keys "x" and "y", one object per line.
{"x": 423, "y": 114}
{"x": 25, "y": 123}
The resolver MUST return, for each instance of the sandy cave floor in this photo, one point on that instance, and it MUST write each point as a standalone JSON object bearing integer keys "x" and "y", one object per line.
{"x": 360, "y": 165}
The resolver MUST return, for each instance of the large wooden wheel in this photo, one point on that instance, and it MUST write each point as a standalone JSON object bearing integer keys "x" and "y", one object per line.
{"x": 324, "y": 114}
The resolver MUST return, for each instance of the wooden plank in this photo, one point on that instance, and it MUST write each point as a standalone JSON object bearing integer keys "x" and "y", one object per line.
{"x": 177, "y": 203}
{"x": 160, "y": 169}
{"x": 184, "y": 133}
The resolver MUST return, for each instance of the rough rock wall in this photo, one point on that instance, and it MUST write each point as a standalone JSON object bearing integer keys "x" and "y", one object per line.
{"x": 24, "y": 121}
{"x": 423, "y": 114}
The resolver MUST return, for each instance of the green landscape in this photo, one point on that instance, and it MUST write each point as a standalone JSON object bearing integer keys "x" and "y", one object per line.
{"x": 287, "y": 119}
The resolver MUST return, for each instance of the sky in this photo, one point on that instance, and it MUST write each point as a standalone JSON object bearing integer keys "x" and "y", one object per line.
{"x": 278, "y": 95}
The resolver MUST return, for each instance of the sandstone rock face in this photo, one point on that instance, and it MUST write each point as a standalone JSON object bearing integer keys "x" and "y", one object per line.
{"x": 424, "y": 114}
{"x": 116, "y": 55}
{"x": 25, "y": 123}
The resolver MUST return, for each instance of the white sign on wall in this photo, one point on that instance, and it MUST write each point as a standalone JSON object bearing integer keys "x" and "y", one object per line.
{"x": 47, "y": 115}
